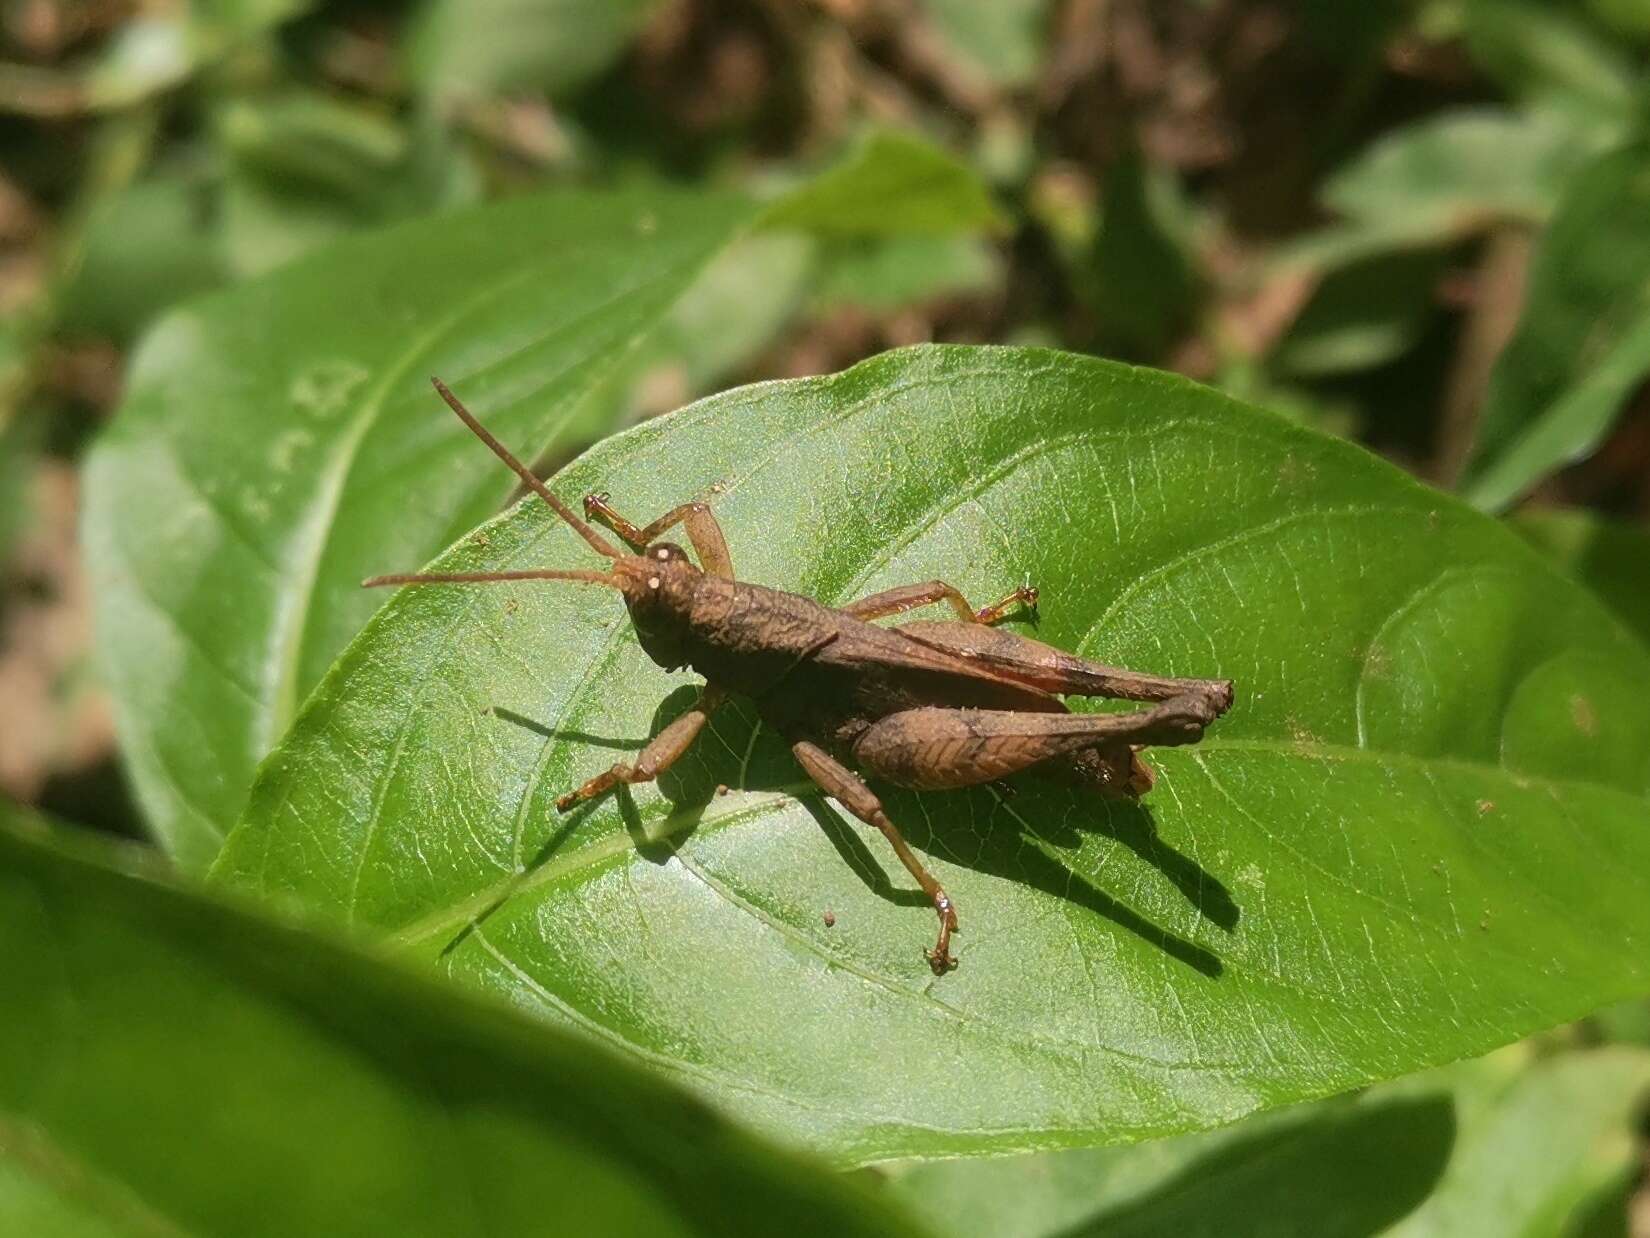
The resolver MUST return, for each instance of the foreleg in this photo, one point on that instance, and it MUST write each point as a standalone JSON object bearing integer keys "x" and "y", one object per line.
{"x": 695, "y": 517}
{"x": 663, "y": 751}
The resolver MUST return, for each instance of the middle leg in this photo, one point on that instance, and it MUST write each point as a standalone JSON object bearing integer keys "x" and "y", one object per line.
{"x": 909, "y": 597}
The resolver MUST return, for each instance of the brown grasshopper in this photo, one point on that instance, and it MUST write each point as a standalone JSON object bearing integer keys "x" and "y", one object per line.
{"x": 928, "y": 705}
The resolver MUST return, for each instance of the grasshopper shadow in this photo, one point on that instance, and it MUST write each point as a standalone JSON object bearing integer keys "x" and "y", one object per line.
{"x": 1013, "y": 845}
{"x": 655, "y": 850}
{"x": 567, "y": 734}
{"x": 1018, "y": 847}
{"x": 1028, "y": 867}
{"x": 1133, "y": 824}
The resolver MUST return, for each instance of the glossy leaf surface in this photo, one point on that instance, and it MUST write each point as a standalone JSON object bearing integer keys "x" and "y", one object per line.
{"x": 1418, "y": 834}
{"x": 276, "y": 446}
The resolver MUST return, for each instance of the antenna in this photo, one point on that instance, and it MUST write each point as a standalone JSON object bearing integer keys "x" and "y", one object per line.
{"x": 599, "y": 543}
{"x": 487, "y": 578}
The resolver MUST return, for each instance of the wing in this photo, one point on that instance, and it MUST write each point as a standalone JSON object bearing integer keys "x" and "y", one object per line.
{"x": 1032, "y": 663}
{"x": 762, "y": 642}
{"x": 915, "y": 671}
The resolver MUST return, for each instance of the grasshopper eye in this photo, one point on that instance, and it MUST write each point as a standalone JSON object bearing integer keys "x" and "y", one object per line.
{"x": 666, "y": 552}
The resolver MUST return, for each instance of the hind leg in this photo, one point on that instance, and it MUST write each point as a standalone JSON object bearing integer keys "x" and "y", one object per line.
{"x": 1116, "y": 771}
{"x": 933, "y": 748}
{"x": 844, "y": 786}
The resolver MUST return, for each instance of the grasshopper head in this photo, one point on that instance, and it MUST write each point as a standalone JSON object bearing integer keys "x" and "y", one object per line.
{"x": 658, "y": 587}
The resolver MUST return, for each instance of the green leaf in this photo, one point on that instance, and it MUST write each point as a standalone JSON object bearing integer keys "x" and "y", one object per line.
{"x": 1417, "y": 835}
{"x": 466, "y": 47}
{"x": 1542, "y": 51}
{"x": 1442, "y": 179}
{"x": 144, "y": 249}
{"x": 274, "y": 447}
{"x": 1486, "y": 1147}
{"x": 736, "y": 308}
{"x": 740, "y": 303}
{"x": 1607, "y": 557}
{"x": 1454, "y": 172}
{"x": 886, "y": 274}
{"x": 173, "y": 1065}
{"x": 304, "y": 169}
{"x": 273, "y": 450}
{"x": 1363, "y": 315}
{"x": 1139, "y": 281}
{"x": 1625, "y": 1022}
{"x": 892, "y": 183}
{"x": 1534, "y": 1149}
{"x": 1333, "y": 1170}
{"x": 1569, "y": 428}
{"x": 1249, "y": 380}
{"x": 1628, "y": 17}
{"x": 1002, "y": 41}
{"x": 1583, "y": 343}
{"x": 1604, "y": 1214}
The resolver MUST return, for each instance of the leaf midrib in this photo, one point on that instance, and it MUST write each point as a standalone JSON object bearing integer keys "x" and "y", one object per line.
{"x": 753, "y": 804}
{"x": 971, "y": 1020}
{"x": 739, "y": 805}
